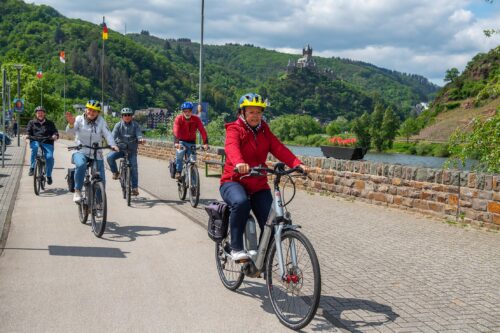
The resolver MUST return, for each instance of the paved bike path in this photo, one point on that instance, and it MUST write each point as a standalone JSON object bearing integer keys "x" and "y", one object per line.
{"x": 383, "y": 270}
{"x": 153, "y": 270}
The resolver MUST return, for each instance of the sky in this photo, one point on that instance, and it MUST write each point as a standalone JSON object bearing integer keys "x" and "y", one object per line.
{"x": 424, "y": 37}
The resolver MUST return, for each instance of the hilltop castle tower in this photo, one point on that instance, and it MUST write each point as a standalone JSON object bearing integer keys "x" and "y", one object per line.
{"x": 306, "y": 61}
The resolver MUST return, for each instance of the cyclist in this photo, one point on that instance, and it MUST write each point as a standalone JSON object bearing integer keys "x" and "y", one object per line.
{"x": 88, "y": 128}
{"x": 127, "y": 130}
{"x": 42, "y": 127}
{"x": 185, "y": 127}
{"x": 248, "y": 142}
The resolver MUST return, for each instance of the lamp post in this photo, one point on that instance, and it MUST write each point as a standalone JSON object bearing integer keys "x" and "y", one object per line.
{"x": 18, "y": 67}
{"x": 4, "y": 80}
{"x": 201, "y": 53}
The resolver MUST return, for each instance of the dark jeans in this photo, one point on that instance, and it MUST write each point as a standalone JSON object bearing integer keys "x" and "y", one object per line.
{"x": 132, "y": 157}
{"x": 240, "y": 203}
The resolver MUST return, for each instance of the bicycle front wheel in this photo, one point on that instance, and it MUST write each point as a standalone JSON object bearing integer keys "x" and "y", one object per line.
{"x": 123, "y": 182}
{"x": 181, "y": 187}
{"x": 98, "y": 209}
{"x": 42, "y": 174}
{"x": 194, "y": 186}
{"x": 83, "y": 206}
{"x": 129, "y": 186}
{"x": 294, "y": 296}
{"x": 36, "y": 176}
{"x": 229, "y": 272}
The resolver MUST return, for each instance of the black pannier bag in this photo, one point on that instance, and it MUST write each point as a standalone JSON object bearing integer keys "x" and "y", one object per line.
{"x": 171, "y": 168}
{"x": 70, "y": 178}
{"x": 218, "y": 220}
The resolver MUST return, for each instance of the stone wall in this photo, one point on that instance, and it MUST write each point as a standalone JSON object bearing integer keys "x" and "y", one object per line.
{"x": 454, "y": 195}
{"x": 457, "y": 196}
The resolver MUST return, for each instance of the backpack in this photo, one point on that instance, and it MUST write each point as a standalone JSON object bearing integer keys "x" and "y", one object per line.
{"x": 171, "y": 168}
{"x": 70, "y": 178}
{"x": 218, "y": 220}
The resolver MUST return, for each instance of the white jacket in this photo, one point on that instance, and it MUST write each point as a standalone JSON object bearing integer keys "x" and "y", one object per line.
{"x": 87, "y": 134}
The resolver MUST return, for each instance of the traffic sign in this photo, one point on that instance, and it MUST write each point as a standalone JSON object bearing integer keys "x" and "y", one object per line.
{"x": 19, "y": 105}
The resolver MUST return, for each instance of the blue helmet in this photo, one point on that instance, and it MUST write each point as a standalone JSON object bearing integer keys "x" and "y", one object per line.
{"x": 187, "y": 105}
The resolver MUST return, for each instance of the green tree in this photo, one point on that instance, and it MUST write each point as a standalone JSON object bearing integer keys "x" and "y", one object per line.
{"x": 216, "y": 130}
{"x": 361, "y": 127}
{"x": 339, "y": 125}
{"x": 288, "y": 127}
{"x": 451, "y": 75}
{"x": 376, "y": 131}
{"x": 408, "y": 128}
{"x": 481, "y": 144}
{"x": 390, "y": 125}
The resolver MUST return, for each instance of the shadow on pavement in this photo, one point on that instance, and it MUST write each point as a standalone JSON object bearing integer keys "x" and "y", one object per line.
{"x": 342, "y": 313}
{"x": 259, "y": 290}
{"x": 77, "y": 251}
{"x": 3, "y": 175}
{"x": 143, "y": 203}
{"x": 116, "y": 233}
{"x": 53, "y": 192}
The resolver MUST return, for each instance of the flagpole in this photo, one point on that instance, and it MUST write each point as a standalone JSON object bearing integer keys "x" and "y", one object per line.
{"x": 41, "y": 91}
{"x": 64, "y": 87}
{"x": 102, "y": 68}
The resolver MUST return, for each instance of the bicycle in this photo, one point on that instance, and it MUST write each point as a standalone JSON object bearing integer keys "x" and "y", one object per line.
{"x": 190, "y": 177}
{"x": 93, "y": 199}
{"x": 285, "y": 259}
{"x": 39, "y": 178}
{"x": 126, "y": 172}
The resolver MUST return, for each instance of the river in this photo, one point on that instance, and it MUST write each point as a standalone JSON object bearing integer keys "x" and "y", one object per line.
{"x": 413, "y": 160}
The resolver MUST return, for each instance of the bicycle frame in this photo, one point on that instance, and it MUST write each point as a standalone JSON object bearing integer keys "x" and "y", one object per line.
{"x": 280, "y": 221}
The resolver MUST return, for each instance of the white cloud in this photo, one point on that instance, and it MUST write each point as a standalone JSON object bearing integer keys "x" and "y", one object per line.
{"x": 424, "y": 37}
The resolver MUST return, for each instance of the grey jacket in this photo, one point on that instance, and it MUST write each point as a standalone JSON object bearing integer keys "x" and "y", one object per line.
{"x": 126, "y": 133}
{"x": 89, "y": 133}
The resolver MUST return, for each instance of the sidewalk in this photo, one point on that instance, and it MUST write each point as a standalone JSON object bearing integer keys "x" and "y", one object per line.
{"x": 383, "y": 270}
{"x": 9, "y": 182}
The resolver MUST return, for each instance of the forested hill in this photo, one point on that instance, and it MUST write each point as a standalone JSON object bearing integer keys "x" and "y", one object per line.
{"x": 143, "y": 71}
{"x": 257, "y": 65}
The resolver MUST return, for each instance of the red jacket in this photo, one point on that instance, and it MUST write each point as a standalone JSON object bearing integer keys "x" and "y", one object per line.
{"x": 185, "y": 130}
{"x": 242, "y": 146}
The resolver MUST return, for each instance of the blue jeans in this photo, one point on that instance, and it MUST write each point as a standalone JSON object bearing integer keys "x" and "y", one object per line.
{"x": 49, "y": 156}
{"x": 179, "y": 154}
{"x": 240, "y": 203}
{"x": 80, "y": 161}
{"x": 132, "y": 157}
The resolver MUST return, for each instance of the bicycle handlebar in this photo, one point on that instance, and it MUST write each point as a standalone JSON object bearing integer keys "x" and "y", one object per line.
{"x": 80, "y": 146}
{"x": 197, "y": 147}
{"x": 39, "y": 138}
{"x": 278, "y": 169}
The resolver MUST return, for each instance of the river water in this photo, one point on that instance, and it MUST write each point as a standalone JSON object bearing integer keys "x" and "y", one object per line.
{"x": 413, "y": 160}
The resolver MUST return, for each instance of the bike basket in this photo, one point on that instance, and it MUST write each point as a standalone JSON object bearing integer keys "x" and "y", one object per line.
{"x": 218, "y": 220}
{"x": 171, "y": 168}
{"x": 70, "y": 178}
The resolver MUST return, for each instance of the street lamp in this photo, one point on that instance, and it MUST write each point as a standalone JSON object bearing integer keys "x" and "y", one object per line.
{"x": 18, "y": 67}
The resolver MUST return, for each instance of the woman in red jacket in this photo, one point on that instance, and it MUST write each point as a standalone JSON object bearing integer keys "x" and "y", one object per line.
{"x": 248, "y": 141}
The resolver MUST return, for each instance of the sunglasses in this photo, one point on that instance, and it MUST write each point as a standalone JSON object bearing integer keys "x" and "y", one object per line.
{"x": 126, "y": 115}
{"x": 187, "y": 110}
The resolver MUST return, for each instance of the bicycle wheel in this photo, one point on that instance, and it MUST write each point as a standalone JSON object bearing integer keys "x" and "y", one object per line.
{"x": 98, "y": 209}
{"x": 181, "y": 187}
{"x": 194, "y": 186}
{"x": 122, "y": 179}
{"x": 83, "y": 206}
{"x": 229, "y": 272}
{"x": 42, "y": 175}
{"x": 36, "y": 176}
{"x": 128, "y": 183}
{"x": 295, "y": 296}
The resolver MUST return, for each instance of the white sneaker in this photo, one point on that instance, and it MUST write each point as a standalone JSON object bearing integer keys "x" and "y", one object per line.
{"x": 77, "y": 196}
{"x": 239, "y": 255}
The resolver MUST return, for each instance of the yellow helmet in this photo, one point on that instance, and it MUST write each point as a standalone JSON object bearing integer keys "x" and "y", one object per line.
{"x": 93, "y": 104}
{"x": 251, "y": 99}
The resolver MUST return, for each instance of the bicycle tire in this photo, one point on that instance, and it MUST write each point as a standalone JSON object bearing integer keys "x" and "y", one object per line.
{"x": 36, "y": 183}
{"x": 122, "y": 179}
{"x": 230, "y": 272}
{"x": 98, "y": 208}
{"x": 83, "y": 206}
{"x": 128, "y": 182}
{"x": 291, "y": 292}
{"x": 181, "y": 187}
{"x": 42, "y": 175}
{"x": 194, "y": 189}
